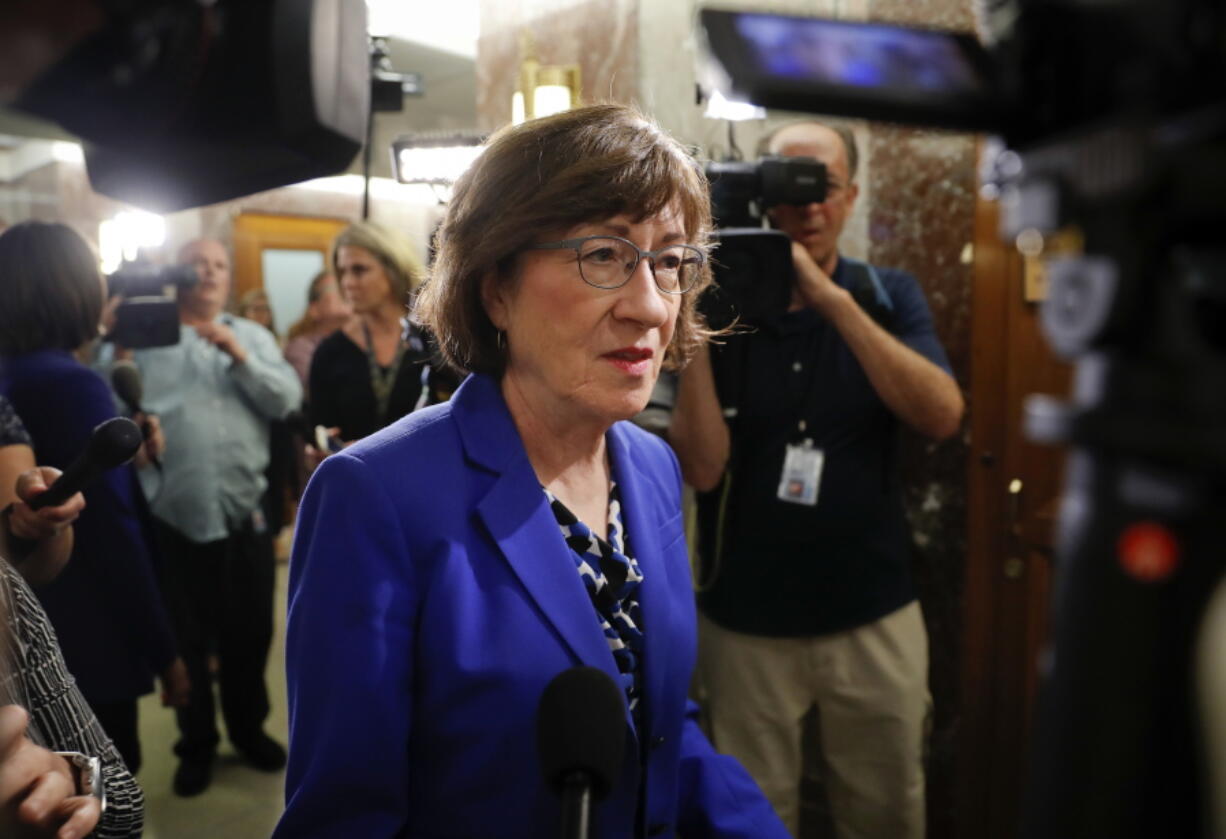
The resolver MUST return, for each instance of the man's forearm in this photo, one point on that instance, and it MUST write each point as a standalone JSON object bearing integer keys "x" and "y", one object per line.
{"x": 698, "y": 432}
{"x": 915, "y": 389}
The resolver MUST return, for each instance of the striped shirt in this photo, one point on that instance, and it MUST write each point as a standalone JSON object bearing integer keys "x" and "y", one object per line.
{"x": 35, "y": 676}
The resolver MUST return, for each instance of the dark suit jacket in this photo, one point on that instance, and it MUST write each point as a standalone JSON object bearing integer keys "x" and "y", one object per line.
{"x": 433, "y": 599}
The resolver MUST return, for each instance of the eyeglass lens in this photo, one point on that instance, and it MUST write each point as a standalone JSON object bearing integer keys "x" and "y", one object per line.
{"x": 607, "y": 263}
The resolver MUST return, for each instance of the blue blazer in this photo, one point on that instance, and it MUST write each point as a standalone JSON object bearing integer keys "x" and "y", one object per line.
{"x": 432, "y": 599}
{"x": 105, "y": 605}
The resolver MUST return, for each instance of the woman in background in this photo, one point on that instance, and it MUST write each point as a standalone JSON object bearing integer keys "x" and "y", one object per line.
{"x": 369, "y": 373}
{"x": 105, "y": 605}
{"x": 254, "y": 306}
{"x": 327, "y": 311}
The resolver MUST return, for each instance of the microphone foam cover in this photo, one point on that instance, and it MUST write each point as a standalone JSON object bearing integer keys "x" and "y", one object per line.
{"x": 114, "y": 442}
{"x": 125, "y": 381}
{"x": 581, "y": 727}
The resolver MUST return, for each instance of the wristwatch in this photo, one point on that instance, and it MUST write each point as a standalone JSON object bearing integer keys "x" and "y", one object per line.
{"x": 88, "y": 771}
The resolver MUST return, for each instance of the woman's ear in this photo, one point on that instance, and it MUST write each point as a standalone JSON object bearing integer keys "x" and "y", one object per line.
{"x": 493, "y": 295}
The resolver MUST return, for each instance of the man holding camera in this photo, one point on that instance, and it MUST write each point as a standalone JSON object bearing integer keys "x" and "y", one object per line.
{"x": 217, "y": 391}
{"x": 806, "y": 594}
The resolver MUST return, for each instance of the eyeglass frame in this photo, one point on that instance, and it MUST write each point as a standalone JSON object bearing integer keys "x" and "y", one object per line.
{"x": 575, "y": 244}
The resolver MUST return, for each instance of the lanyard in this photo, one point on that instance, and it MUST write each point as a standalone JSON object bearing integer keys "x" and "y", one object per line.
{"x": 381, "y": 381}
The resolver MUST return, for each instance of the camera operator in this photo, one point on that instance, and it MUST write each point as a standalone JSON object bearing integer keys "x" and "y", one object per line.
{"x": 217, "y": 391}
{"x": 807, "y": 598}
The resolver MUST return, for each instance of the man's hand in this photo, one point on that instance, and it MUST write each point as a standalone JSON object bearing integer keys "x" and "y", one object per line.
{"x": 38, "y": 788}
{"x": 176, "y": 685}
{"x": 26, "y": 523}
{"x": 155, "y": 440}
{"x": 813, "y": 287}
{"x": 222, "y": 337}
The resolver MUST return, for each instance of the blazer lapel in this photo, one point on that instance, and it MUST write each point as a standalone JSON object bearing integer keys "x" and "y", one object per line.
{"x": 518, "y": 518}
{"x": 641, "y": 509}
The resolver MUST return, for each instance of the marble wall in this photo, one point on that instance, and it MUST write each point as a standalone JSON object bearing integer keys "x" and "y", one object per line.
{"x": 598, "y": 35}
{"x": 924, "y": 187}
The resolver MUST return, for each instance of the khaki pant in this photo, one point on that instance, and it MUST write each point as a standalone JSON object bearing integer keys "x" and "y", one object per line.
{"x": 870, "y": 686}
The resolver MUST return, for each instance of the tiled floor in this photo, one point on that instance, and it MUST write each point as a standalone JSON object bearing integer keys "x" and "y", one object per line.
{"x": 241, "y": 803}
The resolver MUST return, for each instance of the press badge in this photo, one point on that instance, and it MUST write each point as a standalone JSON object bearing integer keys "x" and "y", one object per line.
{"x": 802, "y": 474}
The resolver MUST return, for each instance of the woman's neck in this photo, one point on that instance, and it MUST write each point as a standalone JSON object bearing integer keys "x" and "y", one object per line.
{"x": 563, "y": 452}
{"x": 383, "y": 319}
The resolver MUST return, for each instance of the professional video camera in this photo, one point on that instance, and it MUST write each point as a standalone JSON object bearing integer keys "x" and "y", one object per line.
{"x": 1116, "y": 114}
{"x": 148, "y": 316}
{"x": 190, "y": 102}
{"x": 753, "y": 265}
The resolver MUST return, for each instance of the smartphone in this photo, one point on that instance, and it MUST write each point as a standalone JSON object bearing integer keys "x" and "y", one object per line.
{"x": 325, "y": 442}
{"x": 868, "y": 70}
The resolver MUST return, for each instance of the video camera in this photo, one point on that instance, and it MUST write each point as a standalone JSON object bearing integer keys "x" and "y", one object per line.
{"x": 1115, "y": 112}
{"x": 149, "y": 314}
{"x": 186, "y": 102}
{"x": 753, "y": 265}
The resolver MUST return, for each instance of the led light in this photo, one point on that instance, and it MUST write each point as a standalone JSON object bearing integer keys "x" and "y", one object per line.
{"x": 719, "y": 107}
{"x": 121, "y": 238}
{"x": 434, "y": 164}
{"x": 66, "y": 152}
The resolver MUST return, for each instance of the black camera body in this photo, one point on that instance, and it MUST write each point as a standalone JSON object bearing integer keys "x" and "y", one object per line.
{"x": 741, "y": 191}
{"x": 752, "y": 265}
{"x": 148, "y": 315}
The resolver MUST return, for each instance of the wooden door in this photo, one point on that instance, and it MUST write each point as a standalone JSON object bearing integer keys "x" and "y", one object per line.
{"x": 1013, "y": 495}
{"x": 304, "y": 240}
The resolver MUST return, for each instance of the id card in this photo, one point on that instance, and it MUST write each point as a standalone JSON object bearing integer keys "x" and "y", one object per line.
{"x": 802, "y": 474}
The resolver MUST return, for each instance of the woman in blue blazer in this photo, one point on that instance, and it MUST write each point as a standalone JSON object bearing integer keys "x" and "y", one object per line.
{"x": 105, "y": 605}
{"x": 447, "y": 568}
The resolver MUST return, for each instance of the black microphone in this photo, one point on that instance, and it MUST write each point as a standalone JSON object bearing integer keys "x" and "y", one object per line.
{"x": 580, "y": 735}
{"x": 126, "y": 382}
{"x": 112, "y": 443}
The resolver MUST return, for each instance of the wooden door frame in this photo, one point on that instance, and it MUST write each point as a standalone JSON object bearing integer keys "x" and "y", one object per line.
{"x": 254, "y": 233}
{"x": 985, "y": 538}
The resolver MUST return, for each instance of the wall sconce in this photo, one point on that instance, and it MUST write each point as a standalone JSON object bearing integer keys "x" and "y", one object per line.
{"x": 543, "y": 89}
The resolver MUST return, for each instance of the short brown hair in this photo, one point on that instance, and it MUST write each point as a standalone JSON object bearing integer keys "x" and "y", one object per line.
{"x": 391, "y": 249}
{"x": 50, "y": 289}
{"x": 547, "y": 175}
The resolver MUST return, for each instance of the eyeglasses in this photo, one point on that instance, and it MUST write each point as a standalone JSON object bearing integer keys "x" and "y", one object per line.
{"x": 610, "y": 261}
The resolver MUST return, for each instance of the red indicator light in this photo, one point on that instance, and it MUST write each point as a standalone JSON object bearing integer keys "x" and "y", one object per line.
{"x": 1148, "y": 552}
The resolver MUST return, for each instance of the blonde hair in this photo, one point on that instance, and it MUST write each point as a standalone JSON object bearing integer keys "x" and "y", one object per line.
{"x": 391, "y": 249}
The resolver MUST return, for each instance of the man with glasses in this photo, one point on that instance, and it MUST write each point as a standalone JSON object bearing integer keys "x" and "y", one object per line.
{"x": 805, "y": 592}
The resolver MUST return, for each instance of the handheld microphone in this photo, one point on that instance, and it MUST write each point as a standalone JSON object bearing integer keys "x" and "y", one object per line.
{"x": 112, "y": 443}
{"x": 126, "y": 382}
{"x": 580, "y": 735}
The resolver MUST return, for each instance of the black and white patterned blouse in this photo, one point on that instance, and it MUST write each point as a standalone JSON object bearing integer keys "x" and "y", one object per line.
{"x": 612, "y": 579}
{"x": 12, "y": 432}
{"x": 60, "y": 719}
